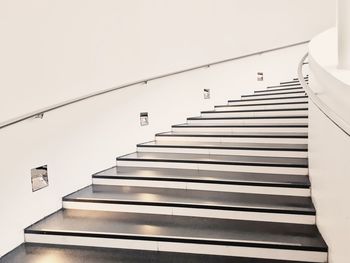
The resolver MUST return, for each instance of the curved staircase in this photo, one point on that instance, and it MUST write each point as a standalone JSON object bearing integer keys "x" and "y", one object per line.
{"x": 228, "y": 186}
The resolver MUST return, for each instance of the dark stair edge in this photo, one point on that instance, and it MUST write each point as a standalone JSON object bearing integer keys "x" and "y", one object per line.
{"x": 199, "y": 206}
{"x": 277, "y": 93}
{"x": 262, "y": 104}
{"x": 209, "y": 181}
{"x": 249, "y": 117}
{"x": 280, "y": 136}
{"x": 132, "y": 159}
{"x": 267, "y": 91}
{"x": 177, "y": 240}
{"x": 262, "y": 125}
{"x": 222, "y": 147}
{"x": 261, "y": 110}
{"x": 277, "y": 98}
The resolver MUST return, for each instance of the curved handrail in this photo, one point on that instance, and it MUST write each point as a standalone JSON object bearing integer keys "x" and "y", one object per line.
{"x": 40, "y": 112}
{"x": 330, "y": 114}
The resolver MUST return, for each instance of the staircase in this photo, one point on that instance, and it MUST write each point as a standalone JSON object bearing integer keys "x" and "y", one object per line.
{"x": 228, "y": 186}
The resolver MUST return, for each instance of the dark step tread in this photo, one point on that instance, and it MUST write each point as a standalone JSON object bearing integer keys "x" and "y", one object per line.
{"x": 237, "y": 134}
{"x": 291, "y": 84}
{"x": 216, "y": 159}
{"x": 228, "y": 146}
{"x": 277, "y": 98}
{"x": 169, "y": 228}
{"x": 262, "y": 104}
{"x": 261, "y": 110}
{"x": 277, "y": 93}
{"x": 204, "y": 176}
{"x": 247, "y": 125}
{"x": 34, "y": 253}
{"x": 248, "y": 117}
{"x": 268, "y": 91}
{"x": 193, "y": 199}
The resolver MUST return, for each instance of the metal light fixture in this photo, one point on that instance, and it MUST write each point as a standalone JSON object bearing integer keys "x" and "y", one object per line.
{"x": 144, "y": 118}
{"x": 206, "y": 93}
{"x": 260, "y": 76}
{"x": 39, "y": 177}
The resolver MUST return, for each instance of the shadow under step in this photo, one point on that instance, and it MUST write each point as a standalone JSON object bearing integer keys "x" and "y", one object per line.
{"x": 215, "y": 148}
{"x": 239, "y": 182}
{"x": 269, "y": 100}
{"x": 282, "y": 94}
{"x": 234, "y": 163}
{"x": 180, "y": 234}
{"x": 195, "y": 203}
{"x": 276, "y": 90}
{"x": 34, "y": 253}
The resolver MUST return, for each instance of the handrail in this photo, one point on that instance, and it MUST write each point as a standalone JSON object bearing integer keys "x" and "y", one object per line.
{"x": 42, "y": 111}
{"x": 330, "y": 114}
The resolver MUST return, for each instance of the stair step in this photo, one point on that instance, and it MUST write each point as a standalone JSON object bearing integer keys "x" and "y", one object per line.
{"x": 256, "y": 113}
{"x": 236, "y": 163}
{"x": 254, "y": 119}
{"x": 276, "y": 90}
{"x": 216, "y": 148}
{"x": 197, "y": 203}
{"x": 234, "y": 128}
{"x": 34, "y": 253}
{"x": 259, "y": 106}
{"x": 284, "y": 94}
{"x": 242, "y": 137}
{"x": 269, "y": 100}
{"x": 225, "y": 237}
{"x": 239, "y": 182}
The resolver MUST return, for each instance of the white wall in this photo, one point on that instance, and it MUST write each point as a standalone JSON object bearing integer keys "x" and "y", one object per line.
{"x": 57, "y": 49}
{"x": 330, "y": 178}
{"x": 329, "y": 146}
{"x": 54, "y": 50}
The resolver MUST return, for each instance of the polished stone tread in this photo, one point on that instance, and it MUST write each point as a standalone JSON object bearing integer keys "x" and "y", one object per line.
{"x": 237, "y": 134}
{"x": 292, "y": 93}
{"x": 182, "y": 229}
{"x": 261, "y": 104}
{"x": 35, "y": 253}
{"x": 246, "y": 125}
{"x": 226, "y": 145}
{"x": 277, "y": 98}
{"x": 193, "y": 198}
{"x": 203, "y": 176}
{"x": 253, "y": 117}
{"x": 216, "y": 159}
{"x": 262, "y": 110}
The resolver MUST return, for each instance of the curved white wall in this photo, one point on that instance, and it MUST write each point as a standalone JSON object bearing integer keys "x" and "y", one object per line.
{"x": 52, "y": 50}
{"x": 329, "y": 146}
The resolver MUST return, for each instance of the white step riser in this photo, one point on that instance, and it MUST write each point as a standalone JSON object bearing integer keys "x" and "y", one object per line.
{"x": 273, "y": 96}
{"x": 216, "y": 167}
{"x": 241, "y": 251}
{"x": 285, "y": 191}
{"x": 224, "y": 152}
{"x": 249, "y": 102}
{"x": 262, "y": 107}
{"x": 232, "y": 139}
{"x": 255, "y": 114}
{"x": 269, "y": 91}
{"x": 237, "y": 130}
{"x": 246, "y": 121}
{"x": 192, "y": 212}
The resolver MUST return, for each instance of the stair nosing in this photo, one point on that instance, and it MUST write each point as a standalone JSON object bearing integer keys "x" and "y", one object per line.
{"x": 210, "y": 181}
{"x": 177, "y": 239}
{"x": 192, "y": 205}
{"x": 262, "y": 104}
{"x": 277, "y": 93}
{"x": 234, "y": 135}
{"x": 249, "y": 117}
{"x": 133, "y": 159}
{"x": 259, "y": 110}
{"x": 222, "y": 147}
{"x": 278, "y": 98}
